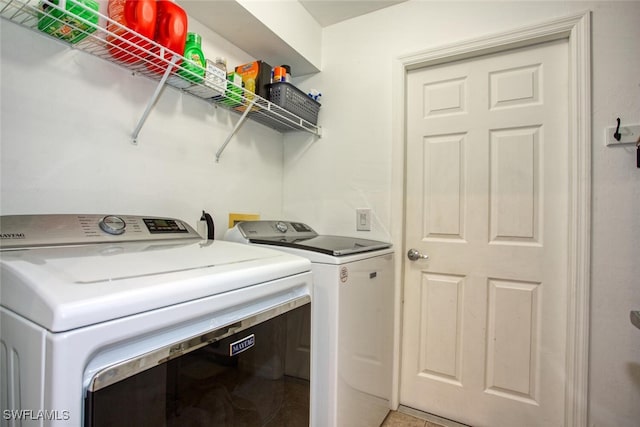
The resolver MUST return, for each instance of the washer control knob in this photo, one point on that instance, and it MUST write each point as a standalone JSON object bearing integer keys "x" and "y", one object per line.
{"x": 112, "y": 224}
{"x": 282, "y": 226}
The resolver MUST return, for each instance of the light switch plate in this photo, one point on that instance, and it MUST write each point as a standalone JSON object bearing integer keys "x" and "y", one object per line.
{"x": 363, "y": 219}
{"x": 628, "y": 135}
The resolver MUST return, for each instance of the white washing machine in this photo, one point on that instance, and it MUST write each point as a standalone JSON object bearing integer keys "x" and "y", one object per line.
{"x": 352, "y": 313}
{"x": 128, "y": 320}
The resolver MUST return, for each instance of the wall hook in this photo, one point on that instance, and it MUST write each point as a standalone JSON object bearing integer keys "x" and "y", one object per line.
{"x": 617, "y": 134}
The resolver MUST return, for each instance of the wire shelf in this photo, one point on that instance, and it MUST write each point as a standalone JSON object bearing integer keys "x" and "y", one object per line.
{"x": 107, "y": 39}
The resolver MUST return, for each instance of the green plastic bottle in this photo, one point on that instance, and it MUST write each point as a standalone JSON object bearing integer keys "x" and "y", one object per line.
{"x": 69, "y": 20}
{"x": 193, "y": 51}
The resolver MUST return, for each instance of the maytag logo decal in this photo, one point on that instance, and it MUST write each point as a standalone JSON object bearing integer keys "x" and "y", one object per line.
{"x": 344, "y": 274}
{"x": 12, "y": 236}
{"x": 242, "y": 345}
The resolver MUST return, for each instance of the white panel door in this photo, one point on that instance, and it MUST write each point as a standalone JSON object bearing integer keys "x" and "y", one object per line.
{"x": 484, "y": 325}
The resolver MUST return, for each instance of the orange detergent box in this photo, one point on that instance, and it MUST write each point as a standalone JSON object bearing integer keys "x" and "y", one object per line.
{"x": 256, "y": 77}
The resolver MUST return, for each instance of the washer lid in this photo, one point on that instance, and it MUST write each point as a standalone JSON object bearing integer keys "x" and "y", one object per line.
{"x": 300, "y": 236}
{"x": 330, "y": 245}
{"x": 67, "y": 287}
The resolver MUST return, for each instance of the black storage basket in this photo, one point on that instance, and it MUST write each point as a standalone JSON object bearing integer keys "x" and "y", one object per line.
{"x": 292, "y": 99}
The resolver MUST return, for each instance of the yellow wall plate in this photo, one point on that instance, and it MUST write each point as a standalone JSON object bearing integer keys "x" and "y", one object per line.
{"x": 235, "y": 218}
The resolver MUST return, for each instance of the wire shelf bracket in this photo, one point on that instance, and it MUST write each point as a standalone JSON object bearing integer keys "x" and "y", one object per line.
{"x": 154, "y": 98}
{"x": 234, "y": 130}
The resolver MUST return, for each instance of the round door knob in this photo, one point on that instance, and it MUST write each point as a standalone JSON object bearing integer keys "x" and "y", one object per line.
{"x": 415, "y": 255}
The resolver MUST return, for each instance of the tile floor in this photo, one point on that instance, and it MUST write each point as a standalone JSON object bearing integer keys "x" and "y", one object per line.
{"x": 398, "y": 419}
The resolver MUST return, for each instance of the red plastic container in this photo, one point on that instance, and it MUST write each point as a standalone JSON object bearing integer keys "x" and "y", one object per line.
{"x": 140, "y": 18}
{"x": 171, "y": 32}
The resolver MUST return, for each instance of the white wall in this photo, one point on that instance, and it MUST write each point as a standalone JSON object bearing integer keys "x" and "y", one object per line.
{"x": 66, "y": 147}
{"x": 350, "y": 167}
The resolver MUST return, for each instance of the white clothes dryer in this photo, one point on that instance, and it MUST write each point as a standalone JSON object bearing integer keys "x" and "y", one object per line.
{"x": 130, "y": 320}
{"x": 352, "y": 317}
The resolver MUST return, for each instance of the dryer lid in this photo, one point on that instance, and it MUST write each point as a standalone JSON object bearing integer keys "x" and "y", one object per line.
{"x": 330, "y": 245}
{"x": 300, "y": 236}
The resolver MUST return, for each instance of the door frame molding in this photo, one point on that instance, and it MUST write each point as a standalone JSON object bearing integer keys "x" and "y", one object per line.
{"x": 576, "y": 29}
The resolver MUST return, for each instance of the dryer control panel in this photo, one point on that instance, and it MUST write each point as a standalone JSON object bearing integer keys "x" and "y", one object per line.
{"x": 274, "y": 229}
{"x": 24, "y": 231}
